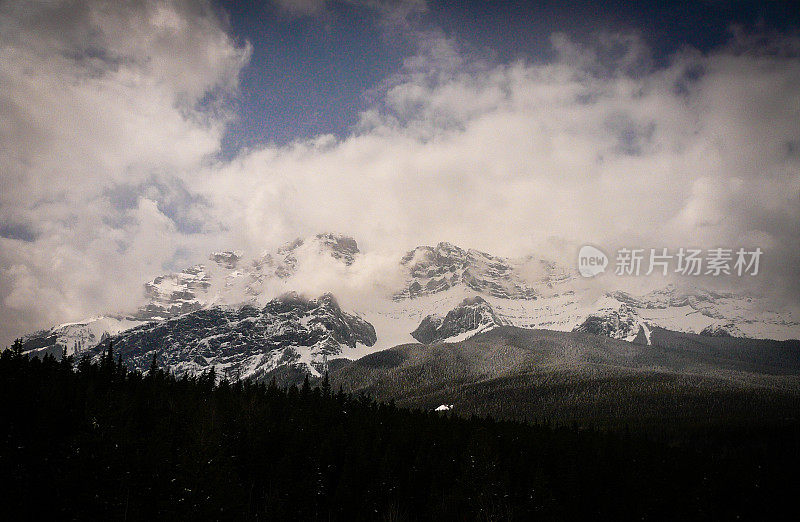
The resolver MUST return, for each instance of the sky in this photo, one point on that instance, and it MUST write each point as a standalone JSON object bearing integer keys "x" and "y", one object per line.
{"x": 137, "y": 137}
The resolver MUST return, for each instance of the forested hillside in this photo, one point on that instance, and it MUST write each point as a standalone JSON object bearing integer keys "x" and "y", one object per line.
{"x": 102, "y": 442}
{"x": 674, "y": 390}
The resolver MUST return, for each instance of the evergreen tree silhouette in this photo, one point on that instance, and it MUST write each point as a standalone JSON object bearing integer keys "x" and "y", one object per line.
{"x": 306, "y": 389}
{"x": 326, "y": 385}
{"x": 183, "y": 448}
{"x": 153, "y": 365}
{"x": 16, "y": 348}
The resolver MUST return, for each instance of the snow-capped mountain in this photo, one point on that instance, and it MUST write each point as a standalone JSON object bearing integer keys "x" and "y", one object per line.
{"x": 722, "y": 330}
{"x": 619, "y": 323}
{"x": 437, "y": 269}
{"x": 692, "y": 309}
{"x": 231, "y": 279}
{"x": 472, "y": 316}
{"x": 77, "y": 337}
{"x": 247, "y": 341}
{"x": 174, "y": 294}
{"x": 534, "y": 293}
{"x": 225, "y": 306}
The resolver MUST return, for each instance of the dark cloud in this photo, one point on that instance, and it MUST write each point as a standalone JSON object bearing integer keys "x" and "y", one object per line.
{"x": 19, "y": 231}
{"x": 188, "y": 211}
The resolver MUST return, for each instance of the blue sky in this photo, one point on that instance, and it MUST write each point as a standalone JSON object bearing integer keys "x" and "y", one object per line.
{"x": 308, "y": 75}
{"x": 312, "y": 73}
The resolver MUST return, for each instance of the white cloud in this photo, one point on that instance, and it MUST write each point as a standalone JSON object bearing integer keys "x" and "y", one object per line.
{"x": 597, "y": 146}
{"x": 115, "y": 114}
{"x": 97, "y": 96}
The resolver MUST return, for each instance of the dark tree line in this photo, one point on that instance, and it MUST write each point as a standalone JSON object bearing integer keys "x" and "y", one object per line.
{"x": 99, "y": 442}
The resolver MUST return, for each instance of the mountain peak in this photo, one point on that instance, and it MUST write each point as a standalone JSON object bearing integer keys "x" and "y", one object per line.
{"x": 437, "y": 269}
{"x": 339, "y": 246}
{"x": 722, "y": 330}
{"x": 289, "y": 330}
{"x": 226, "y": 259}
{"x": 437, "y": 279}
{"x": 472, "y": 316}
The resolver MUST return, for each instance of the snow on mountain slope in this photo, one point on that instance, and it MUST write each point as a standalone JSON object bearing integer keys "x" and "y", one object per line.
{"x": 565, "y": 305}
{"x": 722, "y": 330}
{"x": 607, "y": 315}
{"x": 426, "y": 284}
{"x": 227, "y": 279}
{"x": 247, "y": 341}
{"x": 76, "y": 337}
{"x": 395, "y": 321}
{"x": 532, "y": 293}
{"x": 230, "y": 279}
{"x": 691, "y": 309}
{"x": 437, "y": 269}
{"x": 619, "y": 323}
{"x": 175, "y": 294}
{"x": 471, "y": 316}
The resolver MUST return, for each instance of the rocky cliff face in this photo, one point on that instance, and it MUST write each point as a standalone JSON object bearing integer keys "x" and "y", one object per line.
{"x": 722, "y": 330}
{"x": 74, "y": 338}
{"x": 620, "y": 323}
{"x": 246, "y": 341}
{"x": 439, "y": 268}
{"x": 229, "y": 278}
{"x": 446, "y": 293}
{"x": 472, "y": 316}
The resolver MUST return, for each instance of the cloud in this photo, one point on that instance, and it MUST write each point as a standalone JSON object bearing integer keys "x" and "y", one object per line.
{"x": 115, "y": 117}
{"x": 596, "y": 146}
{"x": 108, "y": 109}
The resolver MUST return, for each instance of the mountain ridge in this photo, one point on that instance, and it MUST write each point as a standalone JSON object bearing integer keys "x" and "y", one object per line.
{"x": 447, "y": 293}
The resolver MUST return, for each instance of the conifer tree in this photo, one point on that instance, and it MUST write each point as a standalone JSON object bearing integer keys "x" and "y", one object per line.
{"x": 326, "y": 386}
{"x": 151, "y": 372}
{"x": 16, "y": 348}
